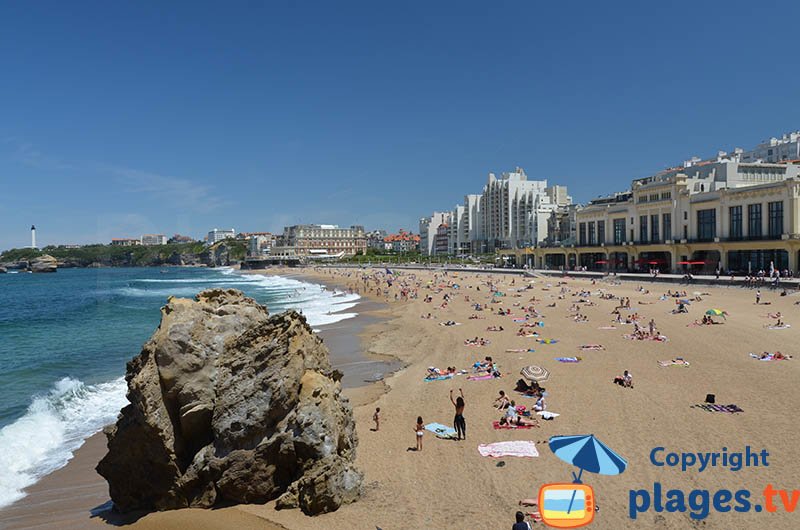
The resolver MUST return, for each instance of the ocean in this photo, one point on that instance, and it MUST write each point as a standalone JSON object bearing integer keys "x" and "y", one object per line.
{"x": 65, "y": 339}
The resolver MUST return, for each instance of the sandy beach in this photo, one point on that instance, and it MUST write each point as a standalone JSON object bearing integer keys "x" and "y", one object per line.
{"x": 449, "y": 484}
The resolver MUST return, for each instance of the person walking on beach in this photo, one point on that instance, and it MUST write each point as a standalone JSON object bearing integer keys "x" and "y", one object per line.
{"x": 459, "y": 424}
{"x": 419, "y": 429}
{"x": 758, "y": 296}
{"x": 377, "y": 419}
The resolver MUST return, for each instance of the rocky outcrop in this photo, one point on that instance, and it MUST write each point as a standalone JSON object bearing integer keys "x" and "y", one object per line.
{"x": 44, "y": 263}
{"x": 3, "y": 270}
{"x": 230, "y": 404}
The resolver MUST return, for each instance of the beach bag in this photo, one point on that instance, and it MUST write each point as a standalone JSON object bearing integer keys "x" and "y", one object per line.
{"x": 710, "y": 398}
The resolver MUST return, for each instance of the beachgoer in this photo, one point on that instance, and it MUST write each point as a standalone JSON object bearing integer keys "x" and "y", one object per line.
{"x": 419, "y": 429}
{"x": 377, "y": 418}
{"x": 758, "y": 296}
{"x": 521, "y": 524}
{"x": 501, "y": 402}
{"x": 540, "y": 403}
{"x": 459, "y": 423}
{"x": 627, "y": 379}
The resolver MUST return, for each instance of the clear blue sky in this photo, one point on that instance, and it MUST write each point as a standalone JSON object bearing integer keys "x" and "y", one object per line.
{"x": 123, "y": 118}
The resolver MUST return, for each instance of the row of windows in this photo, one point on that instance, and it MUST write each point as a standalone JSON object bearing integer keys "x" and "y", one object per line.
{"x": 653, "y": 197}
{"x": 706, "y": 225}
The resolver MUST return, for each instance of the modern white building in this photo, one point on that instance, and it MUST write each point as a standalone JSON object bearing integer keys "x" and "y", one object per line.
{"x": 783, "y": 149}
{"x": 217, "y": 235}
{"x": 154, "y": 239}
{"x": 428, "y": 227}
{"x": 511, "y": 212}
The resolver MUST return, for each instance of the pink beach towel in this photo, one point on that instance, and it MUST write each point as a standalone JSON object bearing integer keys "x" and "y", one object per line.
{"x": 510, "y": 448}
{"x": 480, "y": 377}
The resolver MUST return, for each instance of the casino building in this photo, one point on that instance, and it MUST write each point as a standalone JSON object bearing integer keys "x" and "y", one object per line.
{"x": 719, "y": 213}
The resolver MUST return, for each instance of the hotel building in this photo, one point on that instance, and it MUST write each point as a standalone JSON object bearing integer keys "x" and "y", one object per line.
{"x": 217, "y": 235}
{"x": 314, "y": 239}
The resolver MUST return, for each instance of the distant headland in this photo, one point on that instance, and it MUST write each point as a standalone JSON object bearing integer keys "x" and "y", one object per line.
{"x": 220, "y": 254}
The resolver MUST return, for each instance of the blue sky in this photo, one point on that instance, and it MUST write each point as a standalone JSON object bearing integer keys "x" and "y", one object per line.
{"x": 123, "y": 118}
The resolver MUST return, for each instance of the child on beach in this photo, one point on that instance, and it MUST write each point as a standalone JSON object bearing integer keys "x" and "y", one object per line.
{"x": 419, "y": 429}
{"x": 377, "y": 419}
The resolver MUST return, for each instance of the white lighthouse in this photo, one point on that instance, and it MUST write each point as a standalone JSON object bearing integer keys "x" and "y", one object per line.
{"x": 33, "y": 236}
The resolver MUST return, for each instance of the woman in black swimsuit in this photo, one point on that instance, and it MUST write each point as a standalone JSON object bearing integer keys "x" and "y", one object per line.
{"x": 458, "y": 421}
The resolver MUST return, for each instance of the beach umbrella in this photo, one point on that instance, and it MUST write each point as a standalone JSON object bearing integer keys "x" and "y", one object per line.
{"x": 717, "y": 313}
{"x": 684, "y": 301}
{"x": 587, "y": 453}
{"x": 535, "y": 373}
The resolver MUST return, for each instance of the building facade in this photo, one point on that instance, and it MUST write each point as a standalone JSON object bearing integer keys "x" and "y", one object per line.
{"x": 125, "y": 242}
{"x": 428, "y": 227}
{"x": 510, "y": 212}
{"x": 402, "y": 242}
{"x": 154, "y": 239}
{"x": 216, "y": 235}
{"x": 783, "y": 149}
{"x": 721, "y": 214}
{"x": 310, "y": 239}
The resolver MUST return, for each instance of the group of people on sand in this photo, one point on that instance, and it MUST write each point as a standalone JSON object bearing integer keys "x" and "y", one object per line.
{"x": 477, "y": 342}
{"x": 707, "y": 321}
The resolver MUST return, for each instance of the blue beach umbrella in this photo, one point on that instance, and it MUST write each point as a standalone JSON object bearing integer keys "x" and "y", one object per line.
{"x": 589, "y": 454}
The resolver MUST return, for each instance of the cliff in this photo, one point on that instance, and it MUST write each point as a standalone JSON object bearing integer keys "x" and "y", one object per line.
{"x": 230, "y": 404}
{"x": 221, "y": 254}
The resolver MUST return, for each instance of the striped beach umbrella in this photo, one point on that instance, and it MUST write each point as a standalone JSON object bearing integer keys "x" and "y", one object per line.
{"x": 588, "y": 453}
{"x": 535, "y": 373}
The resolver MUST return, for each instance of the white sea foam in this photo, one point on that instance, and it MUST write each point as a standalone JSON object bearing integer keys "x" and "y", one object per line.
{"x": 55, "y": 425}
{"x": 319, "y": 305}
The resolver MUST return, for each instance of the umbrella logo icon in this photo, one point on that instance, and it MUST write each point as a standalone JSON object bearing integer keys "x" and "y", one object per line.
{"x": 571, "y": 505}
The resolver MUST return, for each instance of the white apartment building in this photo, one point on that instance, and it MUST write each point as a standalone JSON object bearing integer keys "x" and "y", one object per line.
{"x": 785, "y": 148}
{"x": 428, "y": 226}
{"x": 511, "y": 212}
{"x": 154, "y": 239}
{"x": 217, "y": 235}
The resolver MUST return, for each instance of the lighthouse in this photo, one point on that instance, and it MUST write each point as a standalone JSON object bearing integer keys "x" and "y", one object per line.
{"x": 33, "y": 236}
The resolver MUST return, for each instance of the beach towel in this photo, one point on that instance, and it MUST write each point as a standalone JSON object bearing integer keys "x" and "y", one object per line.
{"x": 785, "y": 326}
{"x": 521, "y": 350}
{"x": 439, "y": 377}
{"x": 607, "y": 327}
{"x": 674, "y": 362}
{"x": 568, "y": 359}
{"x": 727, "y": 409}
{"x": 480, "y": 377}
{"x": 497, "y": 425}
{"x": 520, "y": 320}
{"x": 518, "y": 448}
{"x": 546, "y": 341}
{"x": 441, "y": 431}
{"x": 547, "y": 415}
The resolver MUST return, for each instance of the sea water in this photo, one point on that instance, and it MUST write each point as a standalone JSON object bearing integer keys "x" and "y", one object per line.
{"x": 65, "y": 339}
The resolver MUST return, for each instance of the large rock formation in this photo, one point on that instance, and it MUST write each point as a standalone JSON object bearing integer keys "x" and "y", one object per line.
{"x": 229, "y": 404}
{"x": 44, "y": 263}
